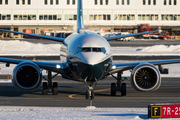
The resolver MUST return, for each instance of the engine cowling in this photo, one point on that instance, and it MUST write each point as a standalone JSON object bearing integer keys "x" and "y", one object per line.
{"x": 145, "y": 77}
{"x": 27, "y": 76}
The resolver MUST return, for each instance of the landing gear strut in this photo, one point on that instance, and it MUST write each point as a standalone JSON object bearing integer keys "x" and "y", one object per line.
{"x": 118, "y": 86}
{"x": 90, "y": 93}
{"x": 50, "y": 86}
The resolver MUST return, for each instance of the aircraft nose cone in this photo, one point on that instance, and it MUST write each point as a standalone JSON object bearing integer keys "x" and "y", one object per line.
{"x": 92, "y": 72}
{"x": 92, "y": 59}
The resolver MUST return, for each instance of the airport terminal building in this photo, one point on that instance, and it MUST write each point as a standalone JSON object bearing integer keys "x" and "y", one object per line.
{"x": 110, "y": 15}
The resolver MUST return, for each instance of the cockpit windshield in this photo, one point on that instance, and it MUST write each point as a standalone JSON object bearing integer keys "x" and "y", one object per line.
{"x": 94, "y": 49}
{"x": 86, "y": 49}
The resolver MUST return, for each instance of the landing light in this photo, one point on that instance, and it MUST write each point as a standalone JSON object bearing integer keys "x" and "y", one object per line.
{"x": 58, "y": 66}
{"x": 113, "y": 67}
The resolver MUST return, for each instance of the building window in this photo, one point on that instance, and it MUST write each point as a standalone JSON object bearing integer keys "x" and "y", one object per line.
{"x": 45, "y": 2}
{"x": 5, "y": 17}
{"x": 144, "y": 2}
{"x": 29, "y": 2}
{"x": 164, "y": 2}
{"x": 25, "y": 17}
{"x": 101, "y": 2}
{"x": 17, "y": 2}
{"x": 50, "y": 17}
{"x": 31, "y": 17}
{"x": 16, "y": 29}
{"x": 124, "y": 17}
{"x": 57, "y": 2}
{"x": 6, "y": 2}
{"x": 107, "y": 2}
{"x": 117, "y": 2}
{"x": 0, "y": 2}
{"x": 100, "y": 17}
{"x": 175, "y": 2}
{"x": 128, "y": 2}
{"x": 149, "y": 2}
{"x": 169, "y": 2}
{"x": 74, "y": 2}
{"x": 70, "y": 17}
{"x": 51, "y": 2}
{"x": 23, "y": 2}
{"x": 170, "y": 17}
{"x": 122, "y": 2}
{"x": 148, "y": 17}
{"x": 95, "y": 2}
{"x": 41, "y": 17}
{"x": 68, "y": 2}
{"x": 154, "y": 2}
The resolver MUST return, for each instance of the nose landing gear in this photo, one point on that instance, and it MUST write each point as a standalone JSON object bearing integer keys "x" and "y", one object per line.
{"x": 89, "y": 93}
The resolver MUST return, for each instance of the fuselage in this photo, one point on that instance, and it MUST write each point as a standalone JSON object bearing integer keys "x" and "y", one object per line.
{"x": 88, "y": 56}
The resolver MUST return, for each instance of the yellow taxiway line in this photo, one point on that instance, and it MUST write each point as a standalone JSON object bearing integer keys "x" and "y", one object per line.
{"x": 72, "y": 95}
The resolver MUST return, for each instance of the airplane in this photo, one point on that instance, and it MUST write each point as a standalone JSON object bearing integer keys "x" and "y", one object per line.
{"x": 86, "y": 57}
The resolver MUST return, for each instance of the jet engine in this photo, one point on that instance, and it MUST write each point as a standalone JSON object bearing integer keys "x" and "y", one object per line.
{"x": 145, "y": 77}
{"x": 27, "y": 76}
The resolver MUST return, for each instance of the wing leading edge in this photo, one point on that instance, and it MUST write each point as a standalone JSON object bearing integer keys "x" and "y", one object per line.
{"x": 55, "y": 67}
{"x": 126, "y": 66}
{"x": 38, "y": 36}
{"x": 129, "y": 35}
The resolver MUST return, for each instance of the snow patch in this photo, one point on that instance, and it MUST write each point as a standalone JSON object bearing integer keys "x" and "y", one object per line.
{"x": 23, "y": 48}
{"x": 156, "y": 50}
{"x": 57, "y": 113}
{"x": 162, "y": 48}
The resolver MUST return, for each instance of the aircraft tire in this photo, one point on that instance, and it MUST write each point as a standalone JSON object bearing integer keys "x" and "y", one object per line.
{"x": 113, "y": 89}
{"x": 55, "y": 88}
{"x": 45, "y": 87}
{"x": 123, "y": 89}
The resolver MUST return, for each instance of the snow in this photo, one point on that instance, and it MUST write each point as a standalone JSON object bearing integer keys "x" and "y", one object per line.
{"x": 24, "y": 48}
{"x": 64, "y": 113}
{"x": 68, "y": 113}
{"x": 156, "y": 50}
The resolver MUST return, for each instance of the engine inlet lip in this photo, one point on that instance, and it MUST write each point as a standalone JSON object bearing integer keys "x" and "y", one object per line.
{"x": 146, "y": 66}
{"x": 30, "y": 64}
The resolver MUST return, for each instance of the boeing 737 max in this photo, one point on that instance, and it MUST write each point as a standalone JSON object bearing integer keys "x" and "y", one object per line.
{"x": 86, "y": 57}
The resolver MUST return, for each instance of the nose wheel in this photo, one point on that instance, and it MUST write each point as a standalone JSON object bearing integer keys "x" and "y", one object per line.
{"x": 89, "y": 93}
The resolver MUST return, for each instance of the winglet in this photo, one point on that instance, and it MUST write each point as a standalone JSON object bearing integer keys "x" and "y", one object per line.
{"x": 80, "y": 22}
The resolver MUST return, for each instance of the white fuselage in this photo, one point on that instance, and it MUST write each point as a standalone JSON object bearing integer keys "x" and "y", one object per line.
{"x": 88, "y": 49}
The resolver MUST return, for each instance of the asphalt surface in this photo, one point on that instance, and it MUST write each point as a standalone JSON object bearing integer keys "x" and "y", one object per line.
{"x": 72, "y": 94}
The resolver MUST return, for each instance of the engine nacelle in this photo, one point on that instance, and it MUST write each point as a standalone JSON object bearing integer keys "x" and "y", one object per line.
{"x": 27, "y": 76}
{"x": 145, "y": 77}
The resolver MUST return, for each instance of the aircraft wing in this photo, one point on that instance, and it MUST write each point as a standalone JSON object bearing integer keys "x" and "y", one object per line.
{"x": 126, "y": 66}
{"x": 38, "y": 36}
{"x": 55, "y": 67}
{"x": 129, "y": 35}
